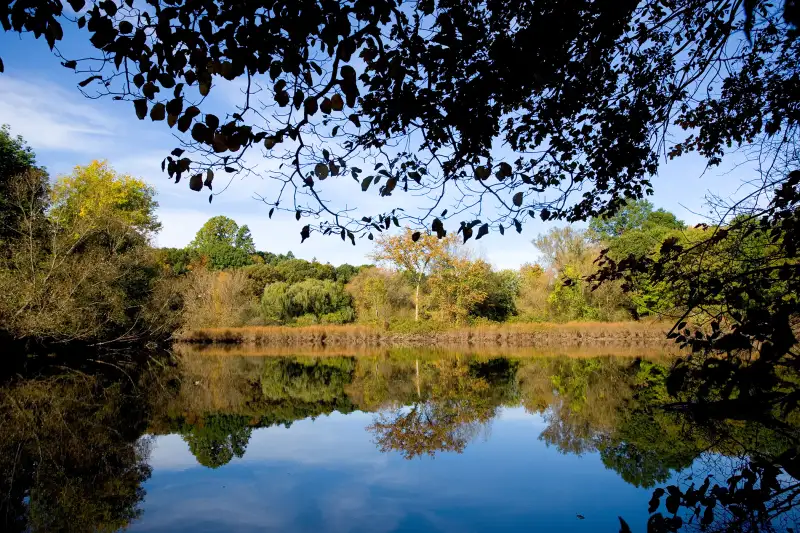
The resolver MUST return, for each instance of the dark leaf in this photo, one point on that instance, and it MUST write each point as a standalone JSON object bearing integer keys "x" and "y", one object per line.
{"x": 304, "y": 233}
{"x": 310, "y": 106}
{"x": 415, "y": 236}
{"x": 212, "y": 121}
{"x": 141, "y": 108}
{"x": 483, "y": 230}
{"x": 321, "y": 170}
{"x": 504, "y": 170}
{"x": 623, "y": 526}
{"x": 158, "y": 112}
{"x": 196, "y": 182}
{"x": 89, "y": 80}
{"x": 438, "y": 227}
{"x": 482, "y": 173}
{"x": 366, "y": 183}
{"x": 518, "y": 199}
{"x": 467, "y": 232}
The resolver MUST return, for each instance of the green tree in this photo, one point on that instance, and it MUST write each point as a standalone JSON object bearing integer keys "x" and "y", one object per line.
{"x": 276, "y": 303}
{"x": 16, "y": 158}
{"x": 224, "y": 243}
{"x": 218, "y": 439}
{"x": 380, "y": 294}
{"x": 259, "y": 276}
{"x": 635, "y": 229}
{"x": 297, "y": 270}
{"x": 502, "y": 289}
{"x": 564, "y": 246}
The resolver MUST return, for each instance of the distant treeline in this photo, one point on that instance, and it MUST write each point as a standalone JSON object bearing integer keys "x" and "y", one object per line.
{"x": 418, "y": 278}
{"x": 77, "y": 264}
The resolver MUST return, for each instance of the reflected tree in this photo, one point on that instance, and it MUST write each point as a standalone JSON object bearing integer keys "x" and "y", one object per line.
{"x": 218, "y": 439}
{"x": 72, "y": 457}
{"x": 457, "y": 407}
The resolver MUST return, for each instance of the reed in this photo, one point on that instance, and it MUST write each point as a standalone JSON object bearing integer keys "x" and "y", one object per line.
{"x": 503, "y": 335}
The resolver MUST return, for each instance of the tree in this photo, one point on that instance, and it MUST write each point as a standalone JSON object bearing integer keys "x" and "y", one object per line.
{"x": 564, "y": 246}
{"x": 635, "y": 229}
{"x": 218, "y": 440}
{"x": 79, "y": 266}
{"x": 380, "y": 294}
{"x": 591, "y": 117}
{"x": 224, "y": 243}
{"x": 325, "y": 300}
{"x": 259, "y": 276}
{"x": 414, "y": 253}
{"x": 95, "y": 195}
{"x": 457, "y": 287}
{"x": 221, "y": 230}
{"x": 297, "y": 270}
{"x": 16, "y": 158}
{"x": 275, "y": 302}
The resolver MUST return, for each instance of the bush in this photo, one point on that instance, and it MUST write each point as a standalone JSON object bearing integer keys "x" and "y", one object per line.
{"x": 306, "y": 320}
{"x": 342, "y": 316}
{"x": 283, "y": 301}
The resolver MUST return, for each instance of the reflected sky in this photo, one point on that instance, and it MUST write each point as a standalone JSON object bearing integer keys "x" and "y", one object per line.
{"x": 327, "y": 474}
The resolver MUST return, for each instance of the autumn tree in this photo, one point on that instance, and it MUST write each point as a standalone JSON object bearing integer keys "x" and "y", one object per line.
{"x": 95, "y": 195}
{"x": 415, "y": 253}
{"x": 379, "y": 294}
{"x": 458, "y": 286}
{"x": 80, "y": 266}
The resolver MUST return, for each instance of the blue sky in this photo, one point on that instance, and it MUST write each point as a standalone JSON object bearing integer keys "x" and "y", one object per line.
{"x": 327, "y": 474}
{"x": 40, "y": 100}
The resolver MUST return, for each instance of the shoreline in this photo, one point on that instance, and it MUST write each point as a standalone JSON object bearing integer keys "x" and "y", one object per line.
{"x": 651, "y": 334}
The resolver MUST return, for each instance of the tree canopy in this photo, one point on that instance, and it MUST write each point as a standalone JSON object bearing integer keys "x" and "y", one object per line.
{"x": 224, "y": 243}
{"x": 332, "y": 86}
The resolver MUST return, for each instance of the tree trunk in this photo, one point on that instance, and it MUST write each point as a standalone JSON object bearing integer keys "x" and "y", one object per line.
{"x": 416, "y": 304}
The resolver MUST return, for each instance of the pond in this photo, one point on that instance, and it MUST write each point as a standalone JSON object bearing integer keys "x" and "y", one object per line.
{"x": 386, "y": 441}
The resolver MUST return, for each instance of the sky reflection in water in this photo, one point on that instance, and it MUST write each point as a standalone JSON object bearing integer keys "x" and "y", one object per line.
{"x": 327, "y": 475}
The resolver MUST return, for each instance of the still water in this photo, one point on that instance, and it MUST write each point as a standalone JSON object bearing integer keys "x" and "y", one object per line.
{"x": 392, "y": 441}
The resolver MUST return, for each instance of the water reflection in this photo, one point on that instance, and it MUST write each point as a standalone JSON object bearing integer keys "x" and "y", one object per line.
{"x": 393, "y": 440}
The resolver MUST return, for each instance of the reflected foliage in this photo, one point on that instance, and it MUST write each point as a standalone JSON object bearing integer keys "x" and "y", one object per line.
{"x": 218, "y": 439}
{"x": 71, "y": 456}
{"x": 75, "y": 448}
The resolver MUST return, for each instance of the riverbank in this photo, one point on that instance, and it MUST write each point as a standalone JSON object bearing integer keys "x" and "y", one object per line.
{"x": 502, "y": 335}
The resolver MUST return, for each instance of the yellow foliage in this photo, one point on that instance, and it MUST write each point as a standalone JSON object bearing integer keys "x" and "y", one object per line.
{"x": 95, "y": 195}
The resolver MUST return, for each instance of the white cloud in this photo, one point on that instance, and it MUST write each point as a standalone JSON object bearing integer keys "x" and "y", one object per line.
{"x": 50, "y": 117}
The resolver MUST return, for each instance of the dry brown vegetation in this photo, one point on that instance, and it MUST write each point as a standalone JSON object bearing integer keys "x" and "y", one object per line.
{"x": 506, "y": 335}
{"x": 584, "y": 350}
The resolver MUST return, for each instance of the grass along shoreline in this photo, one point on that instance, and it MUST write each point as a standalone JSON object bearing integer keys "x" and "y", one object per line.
{"x": 513, "y": 335}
